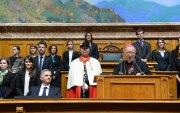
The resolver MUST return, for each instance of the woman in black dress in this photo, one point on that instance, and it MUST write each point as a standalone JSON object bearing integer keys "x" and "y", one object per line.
{"x": 26, "y": 78}
{"x": 7, "y": 80}
{"x": 93, "y": 46}
{"x": 69, "y": 55}
{"x": 57, "y": 64}
{"x": 162, "y": 56}
{"x": 176, "y": 67}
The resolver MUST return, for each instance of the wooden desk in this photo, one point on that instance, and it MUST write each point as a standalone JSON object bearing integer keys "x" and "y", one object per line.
{"x": 109, "y": 66}
{"x": 133, "y": 87}
{"x": 172, "y": 81}
{"x": 88, "y": 106}
{"x": 171, "y": 74}
{"x": 64, "y": 75}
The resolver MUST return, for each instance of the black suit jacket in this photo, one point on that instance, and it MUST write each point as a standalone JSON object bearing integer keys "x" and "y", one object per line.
{"x": 53, "y": 92}
{"x": 20, "y": 81}
{"x": 66, "y": 59}
{"x": 164, "y": 63}
{"x": 47, "y": 64}
{"x": 7, "y": 86}
{"x": 57, "y": 67}
{"x": 173, "y": 53}
{"x": 142, "y": 52}
{"x": 94, "y": 50}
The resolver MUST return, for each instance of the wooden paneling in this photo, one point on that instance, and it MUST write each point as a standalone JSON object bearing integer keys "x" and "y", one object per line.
{"x": 119, "y": 34}
{"x": 6, "y": 45}
{"x": 88, "y": 106}
{"x": 133, "y": 87}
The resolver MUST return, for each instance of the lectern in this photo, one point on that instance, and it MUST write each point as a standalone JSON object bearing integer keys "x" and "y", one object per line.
{"x": 133, "y": 87}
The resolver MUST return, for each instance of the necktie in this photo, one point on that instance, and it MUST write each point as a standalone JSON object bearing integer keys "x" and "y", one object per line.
{"x": 85, "y": 94}
{"x": 141, "y": 43}
{"x": 86, "y": 75}
{"x": 40, "y": 64}
{"x": 44, "y": 92}
{"x": 52, "y": 56}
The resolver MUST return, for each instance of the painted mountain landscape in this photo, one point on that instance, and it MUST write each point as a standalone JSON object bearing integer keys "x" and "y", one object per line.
{"x": 143, "y": 10}
{"x": 89, "y": 11}
{"x": 52, "y": 11}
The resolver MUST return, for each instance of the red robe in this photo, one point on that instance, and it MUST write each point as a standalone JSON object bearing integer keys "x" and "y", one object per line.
{"x": 75, "y": 92}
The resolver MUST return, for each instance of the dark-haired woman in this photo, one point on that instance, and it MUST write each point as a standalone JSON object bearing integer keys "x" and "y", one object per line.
{"x": 93, "y": 46}
{"x": 26, "y": 77}
{"x": 7, "y": 80}
{"x": 57, "y": 64}
{"x": 162, "y": 56}
{"x": 69, "y": 55}
{"x": 176, "y": 67}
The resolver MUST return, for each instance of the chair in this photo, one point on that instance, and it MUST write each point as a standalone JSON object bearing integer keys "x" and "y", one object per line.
{"x": 111, "y": 53}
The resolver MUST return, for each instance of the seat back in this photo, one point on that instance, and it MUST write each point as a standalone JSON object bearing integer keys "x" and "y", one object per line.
{"x": 111, "y": 57}
{"x": 111, "y": 53}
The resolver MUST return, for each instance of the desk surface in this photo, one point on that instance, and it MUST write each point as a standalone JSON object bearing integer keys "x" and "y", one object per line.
{"x": 89, "y": 105}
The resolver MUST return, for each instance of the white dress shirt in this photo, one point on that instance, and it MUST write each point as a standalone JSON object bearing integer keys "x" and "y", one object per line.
{"x": 162, "y": 53}
{"x": 70, "y": 56}
{"x": 42, "y": 89}
{"x": 26, "y": 83}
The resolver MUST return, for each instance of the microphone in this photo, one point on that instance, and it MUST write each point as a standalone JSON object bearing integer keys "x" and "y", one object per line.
{"x": 120, "y": 70}
{"x": 141, "y": 72}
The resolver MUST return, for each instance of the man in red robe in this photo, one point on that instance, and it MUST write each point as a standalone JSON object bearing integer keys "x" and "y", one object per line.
{"x": 81, "y": 75}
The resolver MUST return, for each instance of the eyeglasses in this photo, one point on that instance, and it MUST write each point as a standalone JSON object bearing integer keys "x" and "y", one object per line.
{"x": 132, "y": 53}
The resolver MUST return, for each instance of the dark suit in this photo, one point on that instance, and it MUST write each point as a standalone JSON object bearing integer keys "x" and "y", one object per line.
{"x": 142, "y": 52}
{"x": 66, "y": 59}
{"x": 53, "y": 92}
{"x": 20, "y": 81}
{"x": 94, "y": 51}
{"x": 7, "y": 86}
{"x": 57, "y": 67}
{"x": 47, "y": 64}
{"x": 173, "y": 53}
{"x": 138, "y": 66}
{"x": 164, "y": 63}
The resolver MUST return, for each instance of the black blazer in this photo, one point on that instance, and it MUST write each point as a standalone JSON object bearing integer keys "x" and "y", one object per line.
{"x": 57, "y": 67}
{"x": 66, "y": 59}
{"x": 53, "y": 92}
{"x": 94, "y": 51}
{"x": 164, "y": 63}
{"x": 7, "y": 86}
{"x": 142, "y": 52}
{"x": 173, "y": 54}
{"x": 20, "y": 81}
{"x": 47, "y": 64}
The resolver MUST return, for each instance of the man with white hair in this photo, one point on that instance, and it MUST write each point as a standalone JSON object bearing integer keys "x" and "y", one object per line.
{"x": 45, "y": 89}
{"x": 131, "y": 66}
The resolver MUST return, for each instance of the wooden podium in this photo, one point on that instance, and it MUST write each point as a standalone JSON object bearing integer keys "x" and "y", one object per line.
{"x": 133, "y": 87}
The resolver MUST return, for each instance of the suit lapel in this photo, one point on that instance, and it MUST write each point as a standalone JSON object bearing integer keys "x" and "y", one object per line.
{"x": 51, "y": 90}
{"x": 165, "y": 54}
{"x": 44, "y": 62}
{"x": 36, "y": 92}
{"x": 23, "y": 76}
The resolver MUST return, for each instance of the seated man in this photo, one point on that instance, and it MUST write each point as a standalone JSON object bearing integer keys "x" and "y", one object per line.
{"x": 131, "y": 66}
{"x": 45, "y": 90}
{"x": 81, "y": 75}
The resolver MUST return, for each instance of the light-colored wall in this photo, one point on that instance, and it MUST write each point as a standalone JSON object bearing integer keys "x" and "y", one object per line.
{"x": 116, "y": 33}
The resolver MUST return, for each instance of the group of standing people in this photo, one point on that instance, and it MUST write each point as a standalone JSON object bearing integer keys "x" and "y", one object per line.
{"x": 19, "y": 75}
{"x": 38, "y": 74}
